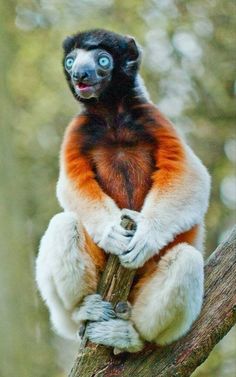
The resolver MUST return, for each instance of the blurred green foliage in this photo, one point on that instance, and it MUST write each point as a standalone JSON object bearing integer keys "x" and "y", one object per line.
{"x": 188, "y": 67}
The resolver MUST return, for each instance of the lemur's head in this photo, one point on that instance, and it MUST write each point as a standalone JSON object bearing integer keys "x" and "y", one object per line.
{"x": 99, "y": 63}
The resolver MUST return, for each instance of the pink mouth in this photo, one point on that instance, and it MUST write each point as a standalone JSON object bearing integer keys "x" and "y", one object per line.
{"x": 82, "y": 86}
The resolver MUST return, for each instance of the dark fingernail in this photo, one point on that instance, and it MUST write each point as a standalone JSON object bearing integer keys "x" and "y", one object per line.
{"x": 126, "y": 252}
{"x": 82, "y": 330}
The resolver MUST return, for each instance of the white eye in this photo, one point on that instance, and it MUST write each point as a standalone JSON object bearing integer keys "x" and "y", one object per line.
{"x": 104, "y": 62}
{"x": 69, "y": 62}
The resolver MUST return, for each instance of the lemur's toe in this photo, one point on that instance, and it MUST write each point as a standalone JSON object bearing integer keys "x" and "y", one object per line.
{"x": 123, "y": 310}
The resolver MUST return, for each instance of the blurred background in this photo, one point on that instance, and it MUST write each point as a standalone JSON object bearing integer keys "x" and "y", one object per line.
{"x": 188, "y": 49}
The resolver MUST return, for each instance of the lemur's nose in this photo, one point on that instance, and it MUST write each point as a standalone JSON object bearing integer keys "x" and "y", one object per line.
{"x": 82, "y": 75}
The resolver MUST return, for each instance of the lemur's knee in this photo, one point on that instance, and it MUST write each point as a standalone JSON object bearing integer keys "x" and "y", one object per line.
{"x": 64, "y": 228}
{"x": 167, "y": 305}
{"x": 63, "y": 270}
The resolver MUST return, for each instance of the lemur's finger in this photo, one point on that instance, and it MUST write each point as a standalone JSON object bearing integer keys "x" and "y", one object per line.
{"x": 124, "y": 232}
{"x": 129, "y": 213}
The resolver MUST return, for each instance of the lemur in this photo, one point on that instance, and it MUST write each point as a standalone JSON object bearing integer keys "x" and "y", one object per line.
{"x": 122, "y": 156}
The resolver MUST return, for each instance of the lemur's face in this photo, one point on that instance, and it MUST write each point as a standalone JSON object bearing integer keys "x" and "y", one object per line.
{"x": 90, "y": 71}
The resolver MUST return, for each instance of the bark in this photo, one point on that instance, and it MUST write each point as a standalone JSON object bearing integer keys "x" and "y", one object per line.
{"x": 217, "y": 317}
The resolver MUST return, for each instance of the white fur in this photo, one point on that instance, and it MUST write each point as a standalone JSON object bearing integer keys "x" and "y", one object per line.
{"x": 168, "y": 304}
{"x": 62, "y": 269}
{"x": 141, "y": 87}
{"x": 84, "y": 58}
{"x": 168, "y": 213}
{"x": 96, "y": 216}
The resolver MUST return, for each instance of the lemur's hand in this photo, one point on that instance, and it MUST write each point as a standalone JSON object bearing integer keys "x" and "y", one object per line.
{"x": 115, "y": 239}
{"x": 143, "y": 244}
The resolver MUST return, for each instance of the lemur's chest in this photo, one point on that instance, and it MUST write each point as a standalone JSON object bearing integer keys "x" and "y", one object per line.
{"x": 123, "y": 164}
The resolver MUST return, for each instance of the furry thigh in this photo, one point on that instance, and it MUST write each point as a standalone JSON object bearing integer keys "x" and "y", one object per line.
{"x": 170, "y": 300}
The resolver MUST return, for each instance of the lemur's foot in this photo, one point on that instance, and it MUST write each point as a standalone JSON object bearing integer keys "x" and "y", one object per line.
{"x": 94, "y": 308}
{"x": 116, "y": 333}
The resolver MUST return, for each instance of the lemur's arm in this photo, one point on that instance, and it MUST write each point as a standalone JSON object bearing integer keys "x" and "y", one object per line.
{"x": 78, "y": 191}
{"x": 177, "y": 201}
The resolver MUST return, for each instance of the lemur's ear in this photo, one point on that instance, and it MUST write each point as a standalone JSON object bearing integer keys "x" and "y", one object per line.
{"x": 68, "y": 43}
{"x": 134, "y": 50}
{"x": 133, "y": 55}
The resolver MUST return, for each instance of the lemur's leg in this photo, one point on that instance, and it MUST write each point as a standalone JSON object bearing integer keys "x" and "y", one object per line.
{"x": 170, "y": 300}
{"x": 165, "y": 305}
{"x": 66, "y": 274}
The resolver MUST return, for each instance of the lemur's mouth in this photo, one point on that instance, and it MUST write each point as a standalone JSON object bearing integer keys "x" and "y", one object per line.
{"x": 86, "y": 90}
{"x": 84, "y": 86}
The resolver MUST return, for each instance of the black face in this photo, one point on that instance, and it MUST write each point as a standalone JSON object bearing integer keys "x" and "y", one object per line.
{"x": 100, "y": 64}
{"x": 90, "y": 71}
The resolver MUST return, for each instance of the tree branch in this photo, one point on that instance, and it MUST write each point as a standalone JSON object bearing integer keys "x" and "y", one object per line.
{"x": 114, "y": 286}
{"x": 217, "y": 317}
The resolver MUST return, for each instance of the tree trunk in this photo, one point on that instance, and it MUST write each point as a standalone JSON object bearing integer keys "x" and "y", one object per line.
{"x": 217, "y": 317}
